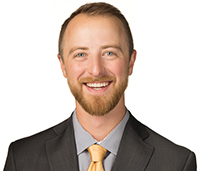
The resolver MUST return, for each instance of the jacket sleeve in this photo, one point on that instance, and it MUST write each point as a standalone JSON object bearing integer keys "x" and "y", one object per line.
{"x": 10, "y": 161}
{"x": 190, "y": 164}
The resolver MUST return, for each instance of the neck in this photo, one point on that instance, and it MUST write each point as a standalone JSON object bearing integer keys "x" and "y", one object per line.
{"x": 100, "y": 126}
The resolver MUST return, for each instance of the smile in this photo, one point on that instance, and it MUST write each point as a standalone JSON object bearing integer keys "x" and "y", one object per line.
{"x": 97, "y": 86}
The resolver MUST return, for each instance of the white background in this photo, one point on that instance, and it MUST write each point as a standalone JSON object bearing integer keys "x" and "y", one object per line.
{"x": 163, "y": 92}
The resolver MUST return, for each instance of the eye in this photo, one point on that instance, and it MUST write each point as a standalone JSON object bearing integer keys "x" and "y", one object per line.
{"x": 109, "y": 53}
{"x": 80, "y": 55}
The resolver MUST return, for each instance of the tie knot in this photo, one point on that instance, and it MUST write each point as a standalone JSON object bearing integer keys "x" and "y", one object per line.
{"x": 97, "y": 153}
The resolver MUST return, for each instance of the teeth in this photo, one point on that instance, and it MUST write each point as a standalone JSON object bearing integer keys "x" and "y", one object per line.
{"x": 97, "y": 85}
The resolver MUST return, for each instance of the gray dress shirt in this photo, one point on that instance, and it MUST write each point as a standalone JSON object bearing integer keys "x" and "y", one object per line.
{"x": 111, "y": 143}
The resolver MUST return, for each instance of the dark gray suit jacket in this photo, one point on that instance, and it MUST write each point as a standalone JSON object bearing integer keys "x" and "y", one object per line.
{"x": 141, "y": 149}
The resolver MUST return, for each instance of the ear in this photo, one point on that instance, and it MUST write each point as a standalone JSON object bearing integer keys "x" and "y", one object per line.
{"x": 132, "y": 61}
{"x": 62, "y": 65}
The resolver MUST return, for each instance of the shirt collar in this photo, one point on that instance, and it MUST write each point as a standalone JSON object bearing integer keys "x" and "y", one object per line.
{"x": 111, "y": 142}
{"x": 82, "y": 137}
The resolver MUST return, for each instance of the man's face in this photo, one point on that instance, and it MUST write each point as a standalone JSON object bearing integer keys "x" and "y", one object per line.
{"x": 96, "y": 62}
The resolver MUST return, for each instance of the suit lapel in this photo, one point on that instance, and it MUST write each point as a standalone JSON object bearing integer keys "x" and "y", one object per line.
{"x": 61, "y": 150}
{"x": 133, "y": 154}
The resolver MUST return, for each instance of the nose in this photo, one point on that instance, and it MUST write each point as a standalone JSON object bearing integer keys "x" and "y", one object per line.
{"x": 96, "y": 67}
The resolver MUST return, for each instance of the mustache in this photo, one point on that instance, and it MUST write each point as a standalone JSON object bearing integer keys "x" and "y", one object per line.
{"x": 96, "y": 79}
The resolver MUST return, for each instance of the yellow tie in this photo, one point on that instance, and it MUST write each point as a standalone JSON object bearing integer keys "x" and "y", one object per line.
{"x": 97, "y": 154}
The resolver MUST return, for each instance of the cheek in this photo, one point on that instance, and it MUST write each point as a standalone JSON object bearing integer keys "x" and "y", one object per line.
{"x": 75, "y": 71}
{"x": 119, "y": 69}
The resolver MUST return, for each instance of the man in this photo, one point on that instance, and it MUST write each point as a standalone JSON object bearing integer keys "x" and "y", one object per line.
{"x": 97, "y": 56}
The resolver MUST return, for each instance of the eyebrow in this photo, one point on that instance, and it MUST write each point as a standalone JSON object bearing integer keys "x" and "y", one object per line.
{"x": 112, "y": 46}
{"x": 77, "y": 48}
{"x": 102, "y": 47}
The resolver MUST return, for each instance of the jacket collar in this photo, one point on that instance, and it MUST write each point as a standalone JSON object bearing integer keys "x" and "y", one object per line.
{"x": 134, "y": 153}
{"x": 61, "y": 150}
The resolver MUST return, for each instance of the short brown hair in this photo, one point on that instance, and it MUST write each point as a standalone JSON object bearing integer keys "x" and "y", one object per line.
{"x": 95, "y": 9}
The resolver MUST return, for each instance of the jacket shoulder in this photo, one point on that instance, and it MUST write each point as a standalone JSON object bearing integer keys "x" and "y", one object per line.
{"x": 36, "y": 142}
{"x": 169, "y": 155}
{"x": 163, "y": 144}
{"x": 166, "y": 155}
{"x": 30, "y": 152}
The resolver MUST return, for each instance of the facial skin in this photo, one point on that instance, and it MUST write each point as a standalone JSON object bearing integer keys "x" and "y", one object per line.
{"x": 96, "y": 62}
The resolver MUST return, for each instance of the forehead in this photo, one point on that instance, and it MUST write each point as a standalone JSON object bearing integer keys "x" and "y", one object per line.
{"x": 86, "y": 29}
